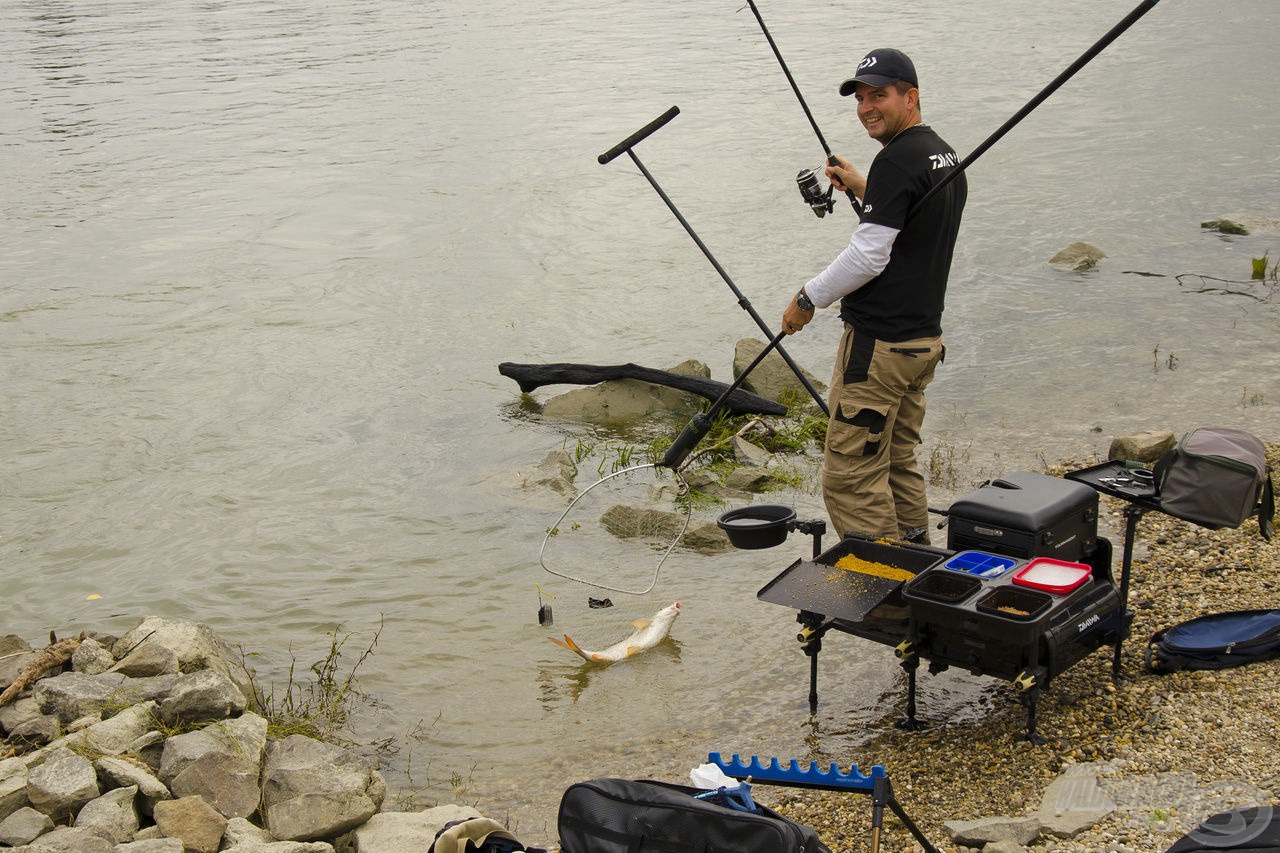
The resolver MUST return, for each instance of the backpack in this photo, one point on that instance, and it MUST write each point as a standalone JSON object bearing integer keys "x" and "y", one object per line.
{"x": 1217, "y": 477}
{"x": 620, "y": 816}
{"x": 1217, "y": 641}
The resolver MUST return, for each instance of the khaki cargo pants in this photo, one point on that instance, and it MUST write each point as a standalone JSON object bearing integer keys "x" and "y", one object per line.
{"x": 870, "y": 480}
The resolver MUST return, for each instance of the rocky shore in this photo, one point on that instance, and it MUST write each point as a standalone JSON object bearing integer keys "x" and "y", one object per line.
{"x": 158, "y": 742}
{"x": 1129, "y": 766}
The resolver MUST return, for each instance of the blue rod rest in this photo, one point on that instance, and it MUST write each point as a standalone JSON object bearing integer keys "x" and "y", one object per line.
{"x": 792, "y": 774}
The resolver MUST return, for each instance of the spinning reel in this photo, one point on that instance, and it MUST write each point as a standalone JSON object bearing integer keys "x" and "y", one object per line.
{"x": 811, "y": 191}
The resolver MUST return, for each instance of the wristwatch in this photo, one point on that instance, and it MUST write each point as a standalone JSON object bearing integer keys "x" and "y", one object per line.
{"x": 803, "y": 302}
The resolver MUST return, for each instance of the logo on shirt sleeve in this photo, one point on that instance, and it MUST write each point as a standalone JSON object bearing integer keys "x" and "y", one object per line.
{"x": 942, "y": 161}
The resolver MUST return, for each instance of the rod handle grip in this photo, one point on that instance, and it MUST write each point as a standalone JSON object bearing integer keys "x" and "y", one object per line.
{"x": 633, "y": 139}
{"x": 686, "y": 441}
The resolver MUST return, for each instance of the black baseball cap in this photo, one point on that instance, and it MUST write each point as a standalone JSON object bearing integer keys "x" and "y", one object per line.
{"x": 881, "y": 67}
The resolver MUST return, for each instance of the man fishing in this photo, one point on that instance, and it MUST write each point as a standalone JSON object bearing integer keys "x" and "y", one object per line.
{"x": 891, "y": 282}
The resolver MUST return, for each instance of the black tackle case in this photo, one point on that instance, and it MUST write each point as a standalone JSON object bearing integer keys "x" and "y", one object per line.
{"x": 621, "y": 816}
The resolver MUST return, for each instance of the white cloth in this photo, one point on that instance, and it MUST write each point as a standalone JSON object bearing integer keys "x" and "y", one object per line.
{"x": 863, "y": 259}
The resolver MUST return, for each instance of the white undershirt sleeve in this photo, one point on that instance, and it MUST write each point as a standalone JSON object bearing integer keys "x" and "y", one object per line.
{"x": 863, "y": 259}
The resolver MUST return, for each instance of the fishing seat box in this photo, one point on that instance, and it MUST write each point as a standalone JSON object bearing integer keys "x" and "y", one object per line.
{"x": 1027, "y": 515}
{"x": 962, "y": 621}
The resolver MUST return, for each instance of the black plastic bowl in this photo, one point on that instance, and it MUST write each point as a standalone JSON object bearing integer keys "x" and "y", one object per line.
{"x": 760, "y": 526}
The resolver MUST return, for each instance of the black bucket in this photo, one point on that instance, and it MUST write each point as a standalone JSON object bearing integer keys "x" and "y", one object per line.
{"x": 760, "y": 526}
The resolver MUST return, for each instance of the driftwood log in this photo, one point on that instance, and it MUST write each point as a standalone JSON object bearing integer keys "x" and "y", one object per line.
{"x": 531, "y": 376}
{"x": 56, "y": 654}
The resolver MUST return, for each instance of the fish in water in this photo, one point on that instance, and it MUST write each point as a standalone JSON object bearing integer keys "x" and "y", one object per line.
{"x": 649, "y": 632}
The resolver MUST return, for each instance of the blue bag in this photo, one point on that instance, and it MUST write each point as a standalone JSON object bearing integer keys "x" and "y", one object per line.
{"x": 1217, "y": 641}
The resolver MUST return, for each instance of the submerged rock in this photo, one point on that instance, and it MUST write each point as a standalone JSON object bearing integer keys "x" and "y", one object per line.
{"x": 1078, "y": 257}
{"x": 628, "y": 399}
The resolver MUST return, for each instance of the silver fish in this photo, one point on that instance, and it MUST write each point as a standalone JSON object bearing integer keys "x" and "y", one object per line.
{"x": 649, "y": 632}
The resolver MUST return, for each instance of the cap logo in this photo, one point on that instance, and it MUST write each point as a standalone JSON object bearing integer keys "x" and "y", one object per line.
{"x": 867, "y": 63}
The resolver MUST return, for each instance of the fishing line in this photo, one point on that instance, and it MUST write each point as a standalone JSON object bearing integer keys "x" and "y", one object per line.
{"x": 832, "y": 160}
{"x": 635, "y": 506}
{"x": 1129, "y": 20}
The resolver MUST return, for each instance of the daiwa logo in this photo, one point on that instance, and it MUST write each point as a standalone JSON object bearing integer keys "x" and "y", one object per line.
{"x": 942, "y": 161}
{"x": 867, "y": 63}
{"x": 1088, "y": 623}
{"x": 866, "y": 208}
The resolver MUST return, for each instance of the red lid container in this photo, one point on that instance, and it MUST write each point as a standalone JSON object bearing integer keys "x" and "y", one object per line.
{"x": 1050, "y": 575}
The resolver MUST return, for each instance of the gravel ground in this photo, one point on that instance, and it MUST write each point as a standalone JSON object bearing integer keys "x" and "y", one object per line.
{"x": 1194, "y": 743}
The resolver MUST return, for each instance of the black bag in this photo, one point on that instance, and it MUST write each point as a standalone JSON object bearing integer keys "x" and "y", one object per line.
{"x": 1254, "y": 830}
{"x": 1217, "y": 641}
{"x": 620, "y": 816}
{"x": 1216, "y": 477}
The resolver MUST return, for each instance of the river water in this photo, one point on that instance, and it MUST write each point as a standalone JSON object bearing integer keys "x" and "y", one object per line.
{"x": 260, "y": 259}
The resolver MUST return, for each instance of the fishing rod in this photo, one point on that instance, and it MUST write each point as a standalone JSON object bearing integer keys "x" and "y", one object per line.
{"x": 807, "y": 180}
{"x": 627, "y": 145}
{"x": 1129, "y": 20}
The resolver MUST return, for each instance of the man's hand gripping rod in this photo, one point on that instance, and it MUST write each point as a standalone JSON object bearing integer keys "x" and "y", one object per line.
{"x": 626, "y": 145}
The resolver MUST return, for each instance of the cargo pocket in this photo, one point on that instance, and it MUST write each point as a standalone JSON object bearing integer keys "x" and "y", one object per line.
{"x": 856, "y": 433}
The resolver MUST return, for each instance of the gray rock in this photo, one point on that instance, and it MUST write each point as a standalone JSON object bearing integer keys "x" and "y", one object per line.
{"x": 193, "y": 821}
{"x": 62, "y": 784}
{"x": 555, "y": 472}
{"x": 36, "y": 731}
{"x": 13, "y": 786}
{"x": 69, "y": 839}
{"x": 148, "y": 659}
{"x": 149, "y": 748}
{"x": 747, "y": 479}
{"x": 620, "y": 400}
{"x": 151, "y": 845}
{"x": 241, "y": 831}
{"x": 978, "y": 833}
{"x": 195, "y": 645}
{"x": 1145, "y": 446}
{"x": 200, "y": 697}
{"x": 747, "y": 453}
{"x": 407, "y": 832}
{"x": 1077, "y": 257}
{"x": 772, "y": 378}
{"x": 149, "y": 833}
{"x": 1225, "y": 225}
{"x": 704, "y": 537}
{"x": 114, "y": 735}
{"x": 24, "y": 826}
{"x": 14, "y": 715}
{"x": 313, "y": 790}
{"x": 1074, "y": 802}
{"x": 221, "y": 763}
{"x": 84, "y": 722}
{"x": 112, "y": 815}
{"x": 91, "y": 657}
{"x": 71, "y": 695}
{"x": 116, "y": 772}
{"x": 1004, "y": 847}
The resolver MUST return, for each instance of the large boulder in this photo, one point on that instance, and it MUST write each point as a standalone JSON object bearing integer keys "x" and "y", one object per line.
{"x": 114, "y": 735}
{"x": 73, "y": 695}
{"x": 200, "y": 697}
{"x": 62, "y": 785}
{"x": 194, "y": 644}
{"x": 13, "y": 786}
{"x": 313, "y": 790}
{"x": 220, "y": 762}
{"x": 91, "y": 657}
{"x": 69, "y": 839}
{"x": 772, "y": 378}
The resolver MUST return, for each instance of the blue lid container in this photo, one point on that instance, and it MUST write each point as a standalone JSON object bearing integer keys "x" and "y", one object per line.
{"x": 980, "y": 563}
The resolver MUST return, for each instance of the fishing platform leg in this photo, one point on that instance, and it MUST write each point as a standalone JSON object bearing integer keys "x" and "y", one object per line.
{"x": 1132, "y": 513}
{"x": 811, "y": 638}
{"x": 910, "y": 663}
